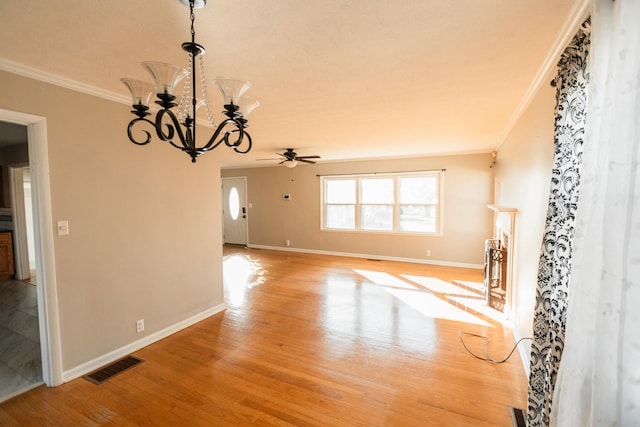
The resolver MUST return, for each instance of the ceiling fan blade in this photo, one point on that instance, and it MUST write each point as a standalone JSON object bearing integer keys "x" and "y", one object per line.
{"x": 307, "y": 157}
{"x": 276, "y": 158}
{"x": 302, "y": 159}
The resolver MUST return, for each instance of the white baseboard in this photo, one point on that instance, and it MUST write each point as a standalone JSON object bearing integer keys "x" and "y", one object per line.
{"x": 124, "y": 351}
{"x": 369, "y": 256}
{"x": 522, "y": 350}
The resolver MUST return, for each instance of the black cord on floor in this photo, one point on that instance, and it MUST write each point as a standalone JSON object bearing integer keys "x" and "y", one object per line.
{"x": 487, "y": 340}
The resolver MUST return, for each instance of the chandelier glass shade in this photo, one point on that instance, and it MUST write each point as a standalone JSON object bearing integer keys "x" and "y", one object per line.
{"x": 177, "y": 126}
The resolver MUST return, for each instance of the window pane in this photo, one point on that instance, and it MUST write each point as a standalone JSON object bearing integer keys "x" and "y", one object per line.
{"x": 377, "y": 190}
{"x": 409, "y": 203}
{"x": 341, "y": 216}
{"x": 234, "y": 203}
{"x": 377, "y": 217}
{"x": 341, "y": 191}
{"x": 418, "y": 218}
{"x": 419, "y": 189}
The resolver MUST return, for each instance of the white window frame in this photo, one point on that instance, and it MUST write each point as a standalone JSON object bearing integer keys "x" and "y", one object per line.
{"x": 439, "y": 175}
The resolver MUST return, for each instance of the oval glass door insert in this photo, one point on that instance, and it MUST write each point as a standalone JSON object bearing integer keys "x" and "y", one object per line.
{"x": 234, "y": 203}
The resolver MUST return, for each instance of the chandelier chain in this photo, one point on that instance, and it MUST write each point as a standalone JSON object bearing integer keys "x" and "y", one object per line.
{"x": 205, "y": 95}
{"x": 192, "y": 77}
{"x": 185, "y": 99}
{"x": 193, "y": 18}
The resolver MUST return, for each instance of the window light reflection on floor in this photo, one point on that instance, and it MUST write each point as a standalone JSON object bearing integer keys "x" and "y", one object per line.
{"x": 421, "y": 296}
{"x": 384, "y": 279}
{"x": 438, "y": 286}
{"x": 354, "y": 312}
{"x": 240, "y": 273}
{"x": 477, "y": 305}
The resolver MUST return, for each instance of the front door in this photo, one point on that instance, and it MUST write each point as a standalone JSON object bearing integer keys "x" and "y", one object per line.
{"x": 234, "y": 210}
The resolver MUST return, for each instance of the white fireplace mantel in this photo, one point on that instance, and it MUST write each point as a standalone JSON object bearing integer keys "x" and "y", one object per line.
{"x": 505, "y": 220}
{"x": 504, "y": 229}
{"x": 499, "y": 208}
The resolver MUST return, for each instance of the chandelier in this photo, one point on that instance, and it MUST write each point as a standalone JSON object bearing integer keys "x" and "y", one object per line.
{"x": 177, "y": 126}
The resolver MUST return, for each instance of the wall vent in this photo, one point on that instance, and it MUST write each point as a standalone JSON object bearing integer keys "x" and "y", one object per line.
{"x": 107, "y": 372}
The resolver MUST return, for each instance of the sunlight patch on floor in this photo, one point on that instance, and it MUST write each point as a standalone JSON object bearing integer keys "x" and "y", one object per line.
{"x": 432, "y": 306}
{"x": 478, "y": 305}
{"x": 384, "y": 279}
{"x": 240, "y": 273}
{"x": 424, "y": 300}
{"x": 439, "y": 286}
{"x": 354, "y": 312}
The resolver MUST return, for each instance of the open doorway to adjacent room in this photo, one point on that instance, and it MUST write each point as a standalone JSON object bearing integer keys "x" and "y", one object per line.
{"x": 20, "y": 349}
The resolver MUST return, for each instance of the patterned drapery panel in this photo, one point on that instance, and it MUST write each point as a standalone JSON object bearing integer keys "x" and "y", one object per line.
{"x": 554, "y": 269}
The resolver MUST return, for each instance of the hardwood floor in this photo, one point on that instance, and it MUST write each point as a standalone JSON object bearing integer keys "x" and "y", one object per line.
{"x": 310, "y": 340}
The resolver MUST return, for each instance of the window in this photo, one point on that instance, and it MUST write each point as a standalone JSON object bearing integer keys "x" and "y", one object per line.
{"x": 402, "y": 203}
{"x": 234, "y": 203}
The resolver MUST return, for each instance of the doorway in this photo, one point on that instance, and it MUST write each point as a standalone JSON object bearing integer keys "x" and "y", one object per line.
{"x": 22, "y": 213}
{"x": 45, "y": 289}
{"x": 234, "y": 211}
{"x": 20, "y": 351}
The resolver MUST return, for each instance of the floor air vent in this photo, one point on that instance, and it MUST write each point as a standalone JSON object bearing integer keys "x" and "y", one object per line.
{"x": 517, "y": 415}
{"x": 105, "y": 373}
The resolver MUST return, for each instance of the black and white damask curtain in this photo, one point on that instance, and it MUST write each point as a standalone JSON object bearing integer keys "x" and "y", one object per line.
{"x": 555, "y": 260}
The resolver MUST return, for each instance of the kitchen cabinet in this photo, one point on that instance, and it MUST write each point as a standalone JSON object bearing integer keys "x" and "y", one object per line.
{"x": 7, "y": 269}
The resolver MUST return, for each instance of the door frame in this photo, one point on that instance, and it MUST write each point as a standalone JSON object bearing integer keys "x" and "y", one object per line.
{"x": 48, "y": 314}
{"x": 243, "y": 203}
{"x": 20, "y": 246}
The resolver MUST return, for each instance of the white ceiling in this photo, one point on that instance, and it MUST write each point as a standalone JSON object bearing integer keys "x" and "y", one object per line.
{"x": 345, "y": 79}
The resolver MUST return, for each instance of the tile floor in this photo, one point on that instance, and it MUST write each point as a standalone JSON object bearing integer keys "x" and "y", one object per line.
{"x": 20, "y": 360}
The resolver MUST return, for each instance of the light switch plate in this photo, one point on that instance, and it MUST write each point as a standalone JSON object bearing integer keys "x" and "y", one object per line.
{"x": 63, "y": 228}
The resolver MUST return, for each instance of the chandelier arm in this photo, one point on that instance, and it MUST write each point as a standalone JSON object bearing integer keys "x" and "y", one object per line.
{"x": 212, "y": 141}
{"x": 239, "y": 138}
{"x": 236, "y": 145}
{"x": 171, "y": 130}
{"x": 130, "y": 128}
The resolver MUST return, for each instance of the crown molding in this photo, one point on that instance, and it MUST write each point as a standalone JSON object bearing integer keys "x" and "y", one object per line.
{"x": 54, "y": 79}
{"x": 580, "y": 12}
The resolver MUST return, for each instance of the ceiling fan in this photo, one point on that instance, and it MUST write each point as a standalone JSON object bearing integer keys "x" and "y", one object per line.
{"x": 291, "y": 158}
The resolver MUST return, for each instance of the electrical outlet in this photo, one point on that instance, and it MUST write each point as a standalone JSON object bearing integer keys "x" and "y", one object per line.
{"x": 140, "y": 325}
{"x": 428, "y": 253}
{"x": 287, "y": 243}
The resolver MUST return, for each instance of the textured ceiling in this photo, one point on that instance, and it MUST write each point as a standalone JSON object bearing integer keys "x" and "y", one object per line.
{"x": 345, "y": 79}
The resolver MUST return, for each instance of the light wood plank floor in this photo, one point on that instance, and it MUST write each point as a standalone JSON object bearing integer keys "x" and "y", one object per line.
{"x": 309, "y": 340}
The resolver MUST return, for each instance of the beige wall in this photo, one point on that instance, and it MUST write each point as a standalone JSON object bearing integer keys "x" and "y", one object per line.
{"x": 145, "y": 239}
{"x": 523, "y": 170}
{"x": 133, "y": 253}
{"x": 467, "y": 221}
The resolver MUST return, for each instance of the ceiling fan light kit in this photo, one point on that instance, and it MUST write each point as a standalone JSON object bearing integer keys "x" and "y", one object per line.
{"x": 289, "y": 163}
{"x": 179, "y": 129}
